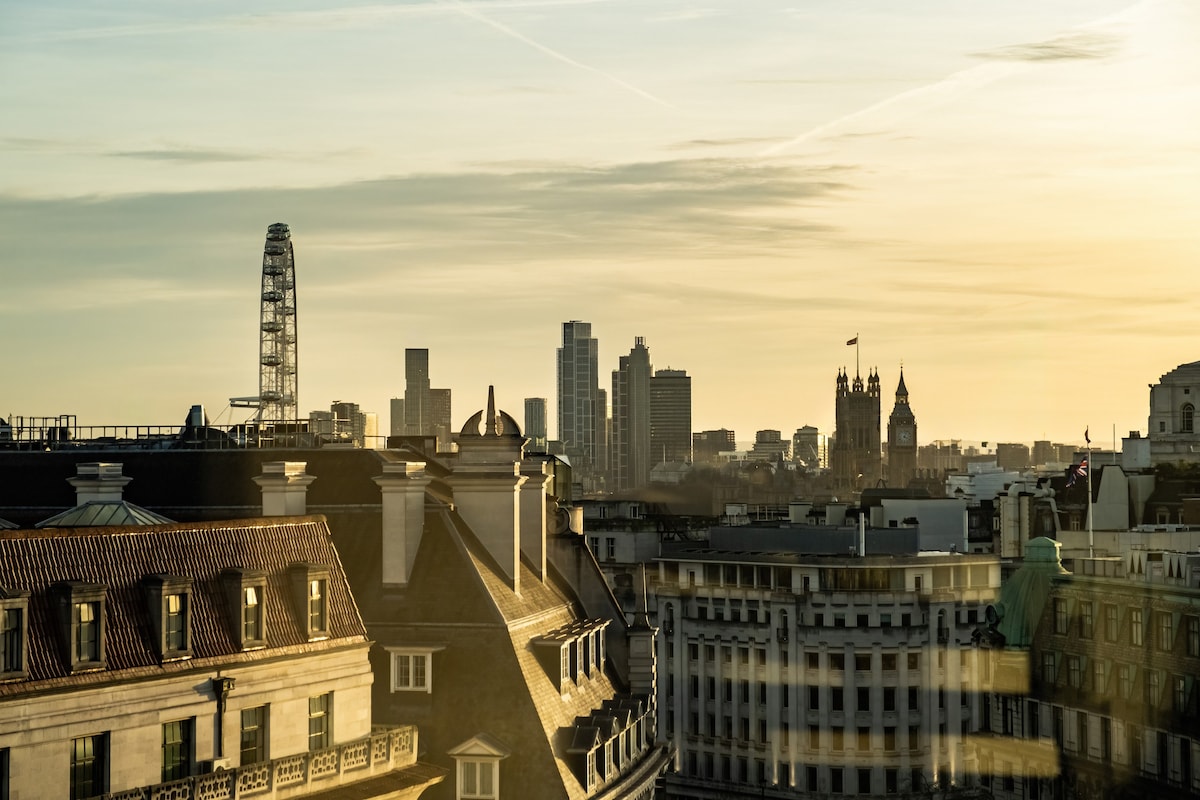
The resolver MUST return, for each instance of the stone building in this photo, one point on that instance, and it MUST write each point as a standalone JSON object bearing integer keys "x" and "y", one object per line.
{"x": 854, "y": 454}
{"x": 189, "y": 660}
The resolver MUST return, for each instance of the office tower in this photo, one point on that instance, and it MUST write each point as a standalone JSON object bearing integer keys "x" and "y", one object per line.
{"x": 670, "y": 416}
{"x": 416, "y": 391}
{"x": 397, "y": 416}
{"x": 630, "y": 449}
{"x": 902, "y": 440}
{"x": 439, "y": 417}
{"x": 855, "y": 452}
{"x": 535, "y": 423}
{"x": 707, "y": 446}
{"x": 808, "y": 447}
{"x": 769, "y": 445}
{"x": 603, "y": 464}
{"x": 578, "y": 398}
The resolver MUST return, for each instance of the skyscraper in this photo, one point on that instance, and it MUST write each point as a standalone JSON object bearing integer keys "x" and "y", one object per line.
{"x": 855, "y": 455}
{"x": 416, "y": 391}
{"x": 578, "y": 398}
{"x": 630, "y": 451}
{"x": 670, "y": 416}
{"x": 439, "y": 417}
{"x": 535, "y": 423}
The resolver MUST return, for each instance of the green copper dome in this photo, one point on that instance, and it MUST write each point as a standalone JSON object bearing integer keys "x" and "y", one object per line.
{"x": 1023, "y": 596}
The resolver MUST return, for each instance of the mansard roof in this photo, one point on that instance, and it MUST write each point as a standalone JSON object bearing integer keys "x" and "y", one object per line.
{"x": 123, "y": 558}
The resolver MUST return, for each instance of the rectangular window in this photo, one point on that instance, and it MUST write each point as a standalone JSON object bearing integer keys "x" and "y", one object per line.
{"x": 1099, "y": 675}
{"x": 3, "y": 773}
{"x": 1136, "y": 630}
{"x": 254, "y": 735}
{"x": 1193, "y": 637}
{"x": 87, "y": 632}
{"x": 12, "y": 640}
{"x": 1166, "y": 631}
{"x": 251, "y": 614}
{"x": 1074, "y": 672}
{"x": 175, "y": 623}
{"x": 1061, "y": 619}
{"x": 319, "y": 729}
{"x": 177, "y": 750}
{"x": 1048, "y": 668}
{"x": 1112, "y": 626}
{"x": 1087, "y": 620}
{"x": 1179, "y": 694}
{"x": 89, "y": 766}
{"x": 477, "y": 779}
{"x": 1125, "y": 680}
{"x": 317, "y": 614}
{"x": 610, "y": 544}
{"x": 410, "y": 671}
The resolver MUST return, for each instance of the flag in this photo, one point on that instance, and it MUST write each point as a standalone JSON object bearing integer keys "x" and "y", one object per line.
{"x": 853, "y": 341}
{"x": 1076, "y": 471}
{"x": 1087, "y": 438}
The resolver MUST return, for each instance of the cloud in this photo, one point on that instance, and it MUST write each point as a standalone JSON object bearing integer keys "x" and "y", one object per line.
{"x": 195, "y": 155}
{"x": 1073, "y": 46}
{"x": 734, "y": 141}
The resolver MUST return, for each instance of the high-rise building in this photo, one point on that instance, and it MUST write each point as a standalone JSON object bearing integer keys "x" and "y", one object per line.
{"x": 670, "y": 416}
{"x": 769, "y": 445}
{"x": 578, "y": 398}
{"x": 535, "y": 423}
{"x": 630, "y": 449}
{"x": 902, "y": 440}
{"x": 855, "y": 452}
{"x": 416, "y": 391}
{"x": 439, "y": 417}
{"x": 397, "y": 416}
{"x": 708, "y": 445}
{"x": 808, "y": 447}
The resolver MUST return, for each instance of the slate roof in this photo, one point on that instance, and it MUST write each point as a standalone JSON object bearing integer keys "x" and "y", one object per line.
{"x": 122, "y": 557}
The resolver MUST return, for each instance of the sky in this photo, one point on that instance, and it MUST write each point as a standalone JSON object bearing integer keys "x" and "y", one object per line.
{"x": 1002, "y": 197}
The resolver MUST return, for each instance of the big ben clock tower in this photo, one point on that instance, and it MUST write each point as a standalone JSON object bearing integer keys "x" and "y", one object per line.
{"x": 902, "y": 440}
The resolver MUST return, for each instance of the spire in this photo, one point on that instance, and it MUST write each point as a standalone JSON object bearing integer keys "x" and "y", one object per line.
{"x": 901, "y": 390}
{"x": 490, "y": 422}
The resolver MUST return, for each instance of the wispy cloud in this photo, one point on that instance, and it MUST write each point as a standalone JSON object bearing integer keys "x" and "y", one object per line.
{"x": 1073, "y": 46}
{"x": 99, "y": 293}
{"x": 733, "y": 141}
{"x": 190, "y": 155}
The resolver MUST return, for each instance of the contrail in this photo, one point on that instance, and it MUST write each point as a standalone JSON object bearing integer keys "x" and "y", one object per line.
{"x": 557, "y": 55}
{"x": 951, "y": 86}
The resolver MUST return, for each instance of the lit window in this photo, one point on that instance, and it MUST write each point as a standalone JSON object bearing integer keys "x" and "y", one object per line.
{"x": 310, "y": 590}
{"x": 319, "y": 709}
{"x": 316, "y": 605}
{"x": 169, "y": 601}
{"x": 89, "y": 766}
{"x": 411, "y": 671}
{"x": 477, "y": 779}
{"x": 254, "y": 735}
{"x": 175, "y": 622}
{"x": 87, "y": 632}
{"x": 251, "y": 614}
{"x": 176, "y": 749}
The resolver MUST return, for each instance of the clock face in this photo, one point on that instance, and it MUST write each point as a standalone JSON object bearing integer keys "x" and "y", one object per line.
{"x": 904, "y": 436}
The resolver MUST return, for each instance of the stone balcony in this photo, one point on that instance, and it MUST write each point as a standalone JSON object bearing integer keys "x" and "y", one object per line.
{"x": 388, "y": 755}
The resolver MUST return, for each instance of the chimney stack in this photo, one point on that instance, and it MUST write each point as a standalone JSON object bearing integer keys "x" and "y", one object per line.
{"x": 98, "y": 481}
{"x": 284, "y": 487}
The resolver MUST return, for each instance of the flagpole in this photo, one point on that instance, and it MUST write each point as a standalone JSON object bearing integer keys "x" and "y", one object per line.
{"x": 1091, "y": 541}
{"x": 856, "y": 372}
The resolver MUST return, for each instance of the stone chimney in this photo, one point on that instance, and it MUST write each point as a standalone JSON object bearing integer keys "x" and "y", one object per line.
{"x": 403, "y": 488}
{"x": 284, "y": 487}
{"x": 98, "y": 481}
{"x": 533, "y": 514}
{"x": 487, "y": 483}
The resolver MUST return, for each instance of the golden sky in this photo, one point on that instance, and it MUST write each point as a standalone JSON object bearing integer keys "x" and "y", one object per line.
{"x": 1002, "y": 196}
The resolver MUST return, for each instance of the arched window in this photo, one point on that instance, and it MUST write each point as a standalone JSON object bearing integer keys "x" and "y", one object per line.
{"x": 1186, "y": 415}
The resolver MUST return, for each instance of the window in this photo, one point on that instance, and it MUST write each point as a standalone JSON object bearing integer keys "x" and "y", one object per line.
{"x": 175, "y": 629}
{"x": 177, "y": 749}
{"x": 1179, "y": 694}
{"x": 1153, "y": 687}
{"x": 1136, "y": 630}
{"x": 319, "y": 729}
{"x": 1112, "y": 627}
{"x": 254, "y": 735}
{"x": 477, "y": 779}
{"x": 411, "y": 670}
{"x": 1087, "y": 620}
{"x": 247, "y": 592}
{"x": 1186, "y": 415}
{"x": 836, "y": 693}
{"x": 85, "y": 621}
{"x": 89, "y": 766}
{"x": 4, "y": 773}
{"x": 610, "y": 544}
{"x": 1074, "y": 672}
{"x": 1125, "y": 680}
{"x": 1099, "y": 675}
{"x": 1193, "y": 636}
{"x": 1048, "y": 668}
{"x": 1061, "y": 618}
{"x": 317, "y": 614}
{"x": 13, "y": 615}
{"x": 252, "y": 616}
{"x": 1165, "y": 631}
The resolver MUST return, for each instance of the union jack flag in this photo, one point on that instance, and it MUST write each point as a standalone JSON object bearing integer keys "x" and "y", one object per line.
{"x": 1076, "y": 471}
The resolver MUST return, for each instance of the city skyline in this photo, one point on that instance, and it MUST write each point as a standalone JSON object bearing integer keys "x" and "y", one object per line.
{"x": 1000, "y": 200}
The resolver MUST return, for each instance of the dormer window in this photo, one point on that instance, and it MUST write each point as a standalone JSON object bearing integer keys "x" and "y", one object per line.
{"x": 247, "y": 591}
{"x": 14, "y": 617}
{"x": 310, "y": 590}
{"x": 81, "y": 613}
{"x": 170, "y": 601}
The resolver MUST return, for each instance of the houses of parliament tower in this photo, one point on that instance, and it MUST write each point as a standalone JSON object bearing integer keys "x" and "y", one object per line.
{"x": 855, "y": 456}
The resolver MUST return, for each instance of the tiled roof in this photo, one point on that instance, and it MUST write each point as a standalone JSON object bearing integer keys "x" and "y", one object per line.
{"x": 120, "y": 558}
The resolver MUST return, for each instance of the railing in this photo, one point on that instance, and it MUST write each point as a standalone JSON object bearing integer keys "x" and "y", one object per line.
{"x": 63, "y": 433}
{"x": 293, "y": 776}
